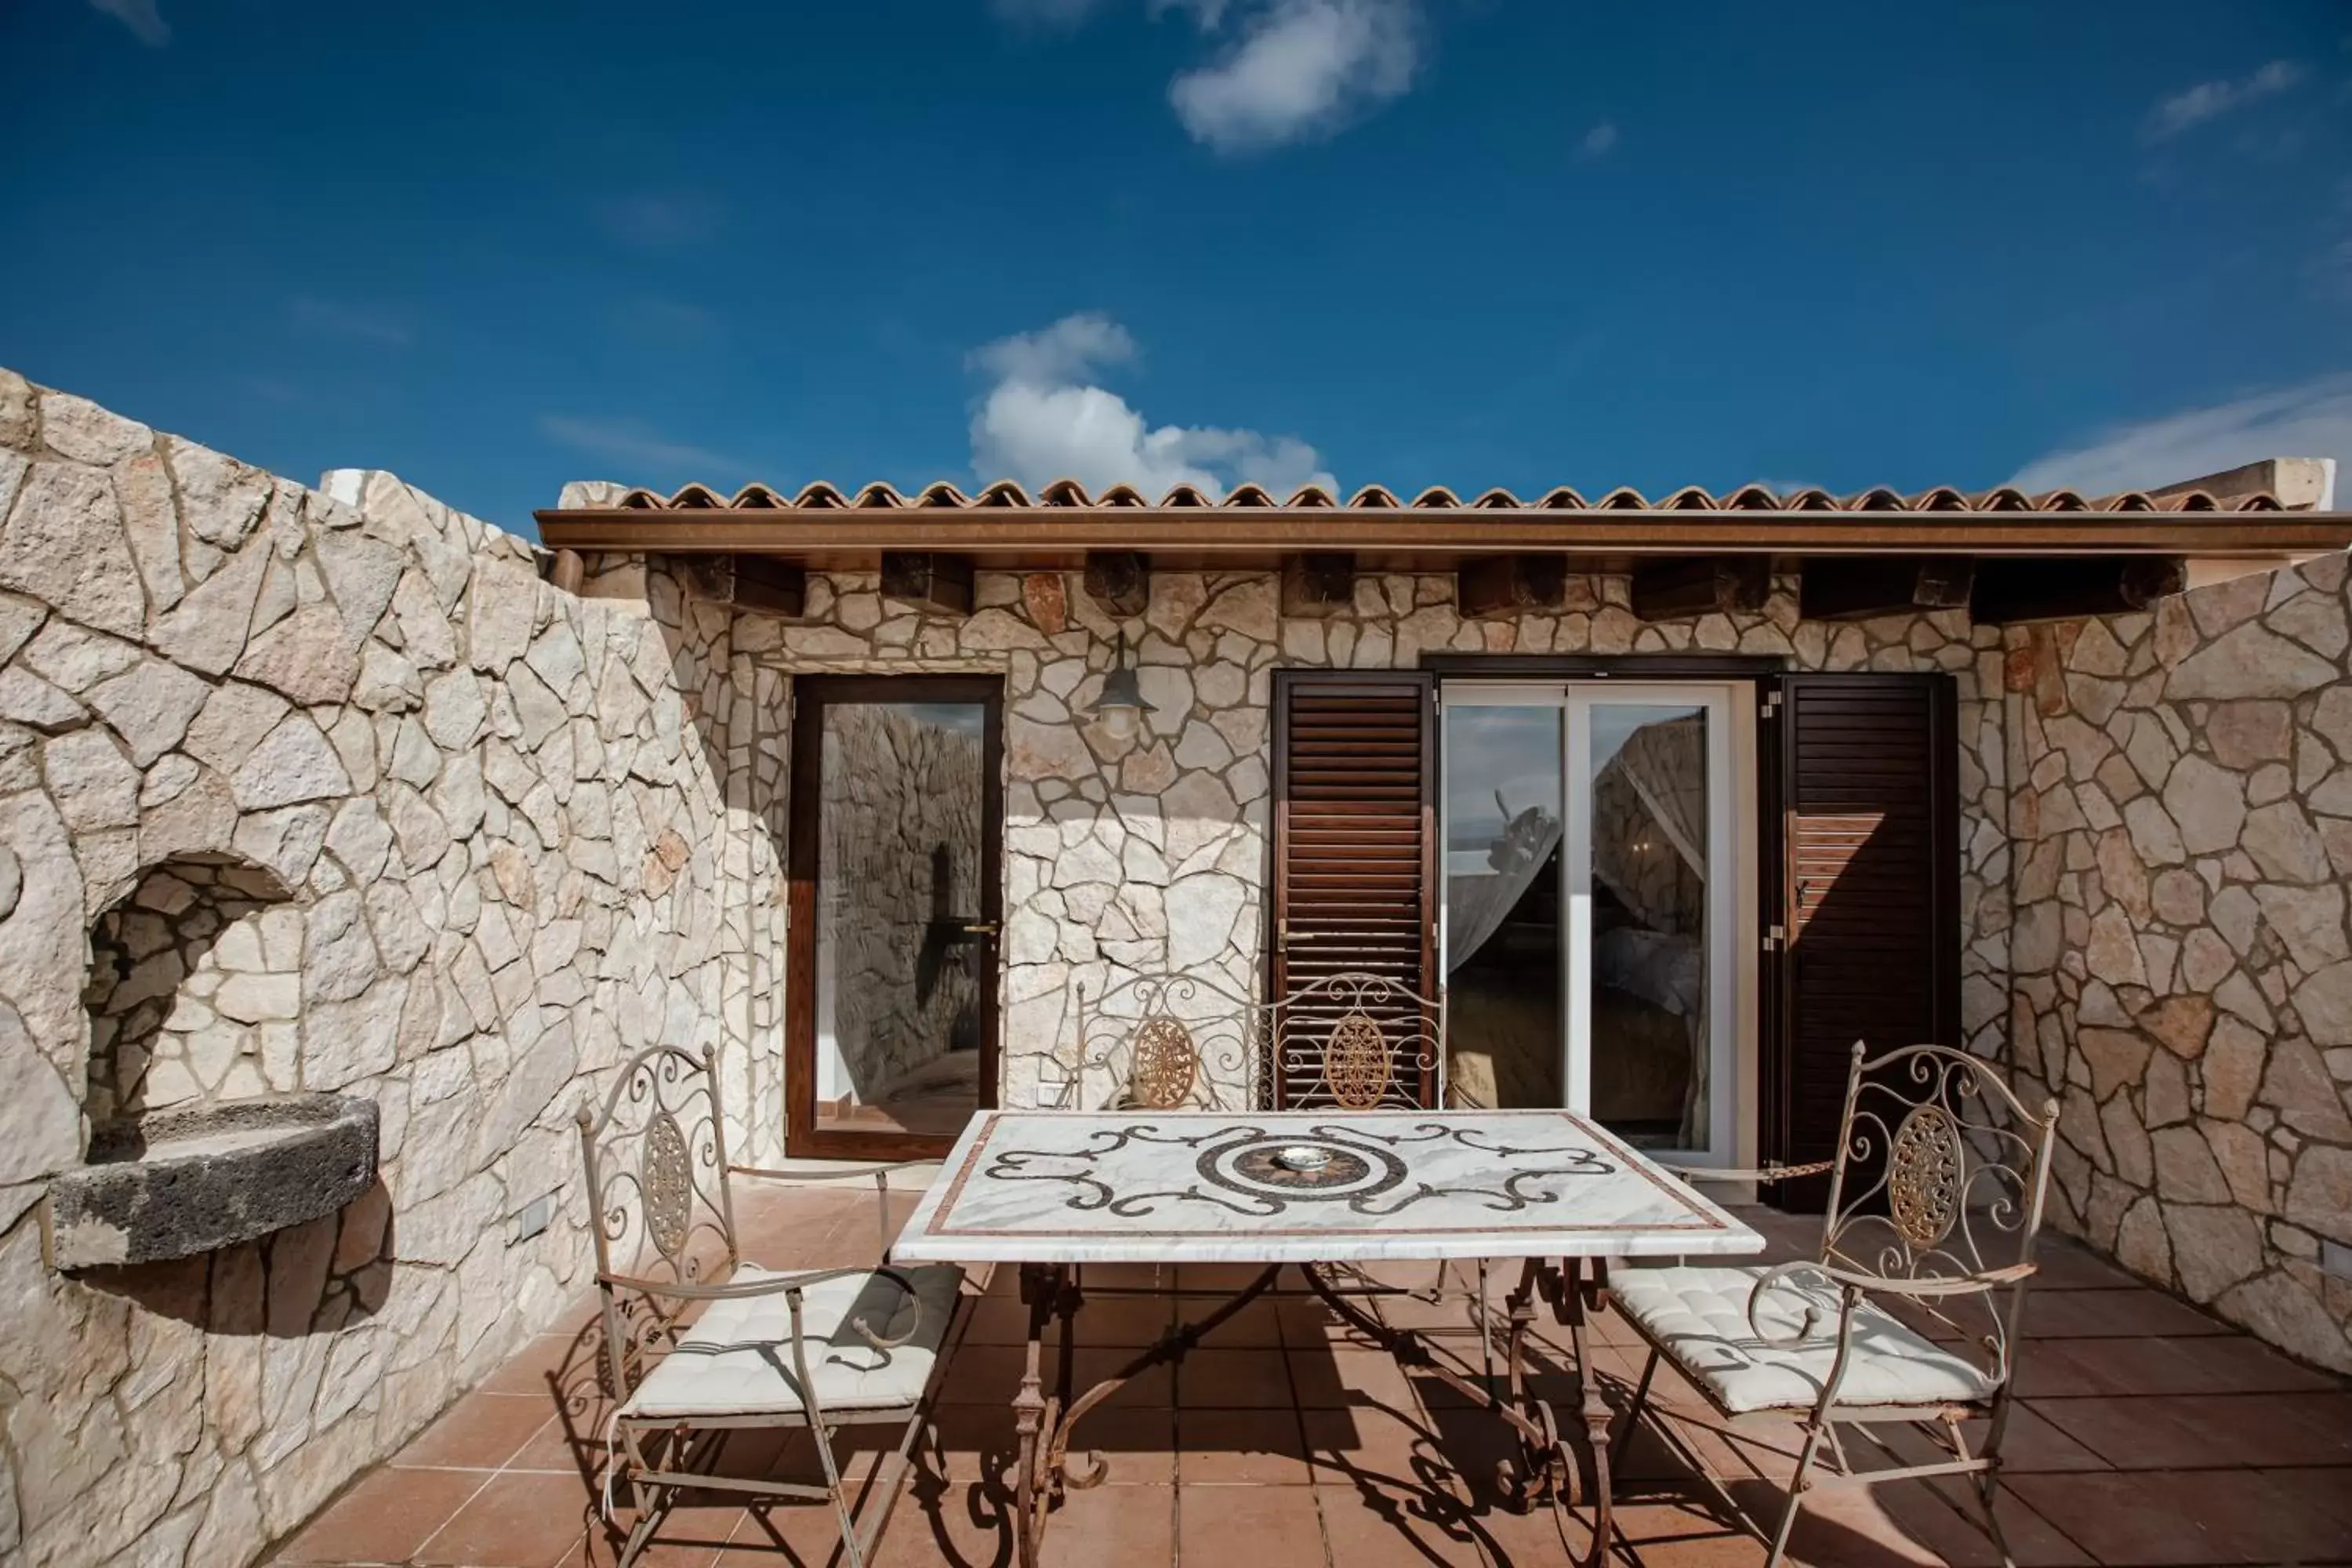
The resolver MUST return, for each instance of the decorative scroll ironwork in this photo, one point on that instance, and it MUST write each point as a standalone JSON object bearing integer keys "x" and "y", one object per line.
{"x": 1166, "y": 1064}
{"x": 1356, "y": 1063}
{"x": 1923, "y": 1177}
{"x": 1156, "y": 1042}
{"x": 655, "y": 1157}
{"x": 1237, "y": 1170}
{"x": 668, "y": 1180}
{"x": 1354, "y": 1040}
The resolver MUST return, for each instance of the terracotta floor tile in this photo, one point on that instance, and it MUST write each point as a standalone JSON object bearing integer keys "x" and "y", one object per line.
{"x": 1123, "y": 1525}
{"x": 1372, "y": 1442}
{"x": 1234, "y": 1379}
{"x": 548, "y": 1362}
{"x": 1256, "y": 1448}
{"x": 688, "y": 1537}
{"x": 515, "y": 1521}
{"x": 797, "y": 1535}
{"x": 972, "y": 1442}
{"x": 935, "y": 1525}
{"x": 1124, "y": 1321}
{"x": 2206, "y": 1363}
{"x": 1256, "y": 1327}
{"x": 1217, "y": 1526}
{"x": 481, "y": 1431}
{"x": 2194, "y": 1431}
{"x": 2112, "y": 1314}
{"x": 385, "y": 1518}
{"x": 1138, "y": 1443}
{"x": 1375, "y": 1524}
{"x": 1336, "y": 1379}
{"x": 2064, "y": 1265}
{"x": 2157, "y": 1517}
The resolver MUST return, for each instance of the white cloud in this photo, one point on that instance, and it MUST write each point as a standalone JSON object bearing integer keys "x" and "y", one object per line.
{"x": 1301, "y": 68}
{"x": 2211, "y": 100}
{"x": 1044, "y": 420}
{"x": 146, "y": 23}
{"x": 361, "y": 321}
{"x": 636, "y": 446}
{"x": 1598, "y": 139}
{"x": 2310, "y": 419}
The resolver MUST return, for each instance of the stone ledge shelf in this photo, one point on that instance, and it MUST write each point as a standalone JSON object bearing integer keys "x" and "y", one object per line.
{"x": 180, "y": 1183}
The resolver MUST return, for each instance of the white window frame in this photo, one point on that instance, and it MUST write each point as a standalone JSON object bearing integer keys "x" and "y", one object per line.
{"x": 1576, "y": 700}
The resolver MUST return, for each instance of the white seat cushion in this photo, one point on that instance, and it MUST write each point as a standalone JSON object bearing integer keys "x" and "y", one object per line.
{"x": 738, "y": 1359}
{"x": 1698, "y": 1317}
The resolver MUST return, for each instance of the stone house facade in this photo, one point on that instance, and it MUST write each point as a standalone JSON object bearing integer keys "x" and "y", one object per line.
{"x": 339, "y": 790}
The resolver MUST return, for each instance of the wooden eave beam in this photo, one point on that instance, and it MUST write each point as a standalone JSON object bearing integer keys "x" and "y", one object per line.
{"x": 1008, "y": 533}
{"x": 1119, "y": 582}
{"x": 1317, "y": 584}
{"x": 1679, "y": 588}
{"x": 1857, "y": 587}
{"x": 2008, "y": 592}
{"x": 1507, "y": 585}
{"x": 929, "y": 580}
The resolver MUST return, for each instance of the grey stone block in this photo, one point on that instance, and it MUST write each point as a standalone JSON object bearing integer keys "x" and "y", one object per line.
{"x": 184, "y": 1181}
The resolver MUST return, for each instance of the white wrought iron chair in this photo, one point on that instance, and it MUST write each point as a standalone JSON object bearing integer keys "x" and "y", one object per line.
{"x": 1936, "y": 1197}
{"x": 1156, "y": 1042}
{"x": 813, "y": 1349}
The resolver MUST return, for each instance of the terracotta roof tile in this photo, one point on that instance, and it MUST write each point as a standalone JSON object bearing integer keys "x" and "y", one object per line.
{"x": 1069, "y": 493}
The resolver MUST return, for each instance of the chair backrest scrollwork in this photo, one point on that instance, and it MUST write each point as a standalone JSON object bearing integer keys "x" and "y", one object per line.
{"x": 1942, "y": 1174}
{"x": 660, "y": 1207}
{"x": 1354, "y": 1041}
{"x": 1160, "y": 1042}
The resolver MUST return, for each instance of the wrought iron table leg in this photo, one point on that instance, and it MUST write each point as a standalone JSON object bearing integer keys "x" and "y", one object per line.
{"x": 1040, "y": 1290}
{"x": 1580, "y": 1298}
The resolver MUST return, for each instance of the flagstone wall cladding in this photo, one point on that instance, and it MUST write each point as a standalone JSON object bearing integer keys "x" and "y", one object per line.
{"x": 321, "y": 791}
{"x": 1150, "y": 853}
{"x": 2182, "y": 977}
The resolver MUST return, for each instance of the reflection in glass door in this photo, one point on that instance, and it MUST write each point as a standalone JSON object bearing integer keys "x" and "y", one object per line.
{"x": 1588, "y": 917}
{"x": 893, "y": 917}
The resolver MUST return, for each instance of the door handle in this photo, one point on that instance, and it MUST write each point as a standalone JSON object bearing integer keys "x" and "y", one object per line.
{"x": 980, "y": 927}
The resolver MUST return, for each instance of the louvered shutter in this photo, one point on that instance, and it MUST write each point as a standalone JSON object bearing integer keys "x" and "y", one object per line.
{"x": 1354, "y": 851}
{"x": 1867, "y": 902}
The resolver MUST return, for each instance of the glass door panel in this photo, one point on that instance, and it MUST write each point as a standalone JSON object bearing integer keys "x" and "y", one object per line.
{"x": 1588, "y": 922}
{"x": 1503, "y": 956}
{"x": 895, "y": 816}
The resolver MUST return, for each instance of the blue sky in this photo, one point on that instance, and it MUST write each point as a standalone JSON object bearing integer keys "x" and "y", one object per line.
{"x": 1470, "y": 242}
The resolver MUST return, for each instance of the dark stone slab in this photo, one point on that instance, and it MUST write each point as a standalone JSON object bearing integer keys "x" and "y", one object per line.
{"x": 185, "y": 1182}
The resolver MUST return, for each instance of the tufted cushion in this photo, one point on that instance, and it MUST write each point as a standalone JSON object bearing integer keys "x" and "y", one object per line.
{"x": 1698, "y": 1317}
{"x": 738, "y": 1359}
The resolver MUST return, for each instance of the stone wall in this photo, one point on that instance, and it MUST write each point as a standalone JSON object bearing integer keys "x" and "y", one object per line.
{"x": 2182, "y": 827}
{"x": 489, "y": 825}
{"x": 1148, "y": 852}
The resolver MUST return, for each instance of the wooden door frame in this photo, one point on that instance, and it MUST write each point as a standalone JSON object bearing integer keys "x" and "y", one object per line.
{"x": 810, "y": 694}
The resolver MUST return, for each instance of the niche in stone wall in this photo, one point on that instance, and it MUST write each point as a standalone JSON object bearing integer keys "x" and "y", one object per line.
{"x": 195, "y": 982}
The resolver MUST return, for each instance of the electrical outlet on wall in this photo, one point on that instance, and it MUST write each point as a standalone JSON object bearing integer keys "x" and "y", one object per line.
{"x": 532, "y": 1218}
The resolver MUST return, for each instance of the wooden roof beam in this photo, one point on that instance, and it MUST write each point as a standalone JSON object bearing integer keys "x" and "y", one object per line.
{"x": 1682, "y": 587}
{"x": 1857, "y": 587}
{"x": 2011, "y": 591}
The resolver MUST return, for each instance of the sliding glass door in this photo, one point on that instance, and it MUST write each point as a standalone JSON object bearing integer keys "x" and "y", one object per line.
{"x": 1588, "y": 920}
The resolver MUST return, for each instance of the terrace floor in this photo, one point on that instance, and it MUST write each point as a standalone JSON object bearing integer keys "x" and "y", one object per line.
{"x": 2148, "y": 1434}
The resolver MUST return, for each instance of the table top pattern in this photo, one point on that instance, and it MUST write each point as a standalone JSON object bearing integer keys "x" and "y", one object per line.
{"x": 1303, "y": 1186}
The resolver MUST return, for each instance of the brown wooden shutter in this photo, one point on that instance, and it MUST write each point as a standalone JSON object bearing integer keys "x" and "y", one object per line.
{"x": 1355, "y": 825}
{"x": 1865, "y": 840}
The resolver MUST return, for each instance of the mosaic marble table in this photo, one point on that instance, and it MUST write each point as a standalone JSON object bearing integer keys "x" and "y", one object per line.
{"x": 1053, "y": 1190}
